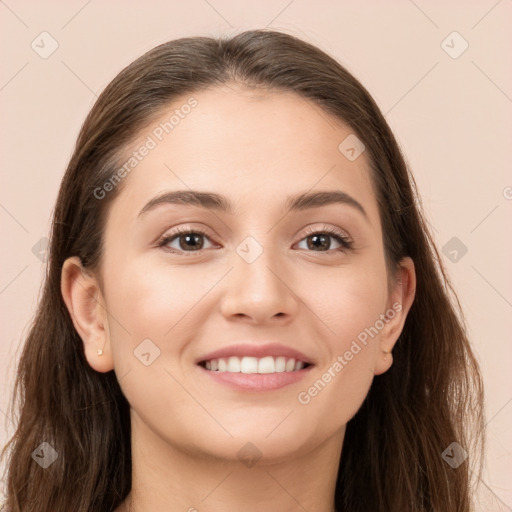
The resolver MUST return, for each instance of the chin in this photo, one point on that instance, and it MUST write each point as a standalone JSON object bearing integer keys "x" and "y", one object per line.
{"x": 260, "y": 441}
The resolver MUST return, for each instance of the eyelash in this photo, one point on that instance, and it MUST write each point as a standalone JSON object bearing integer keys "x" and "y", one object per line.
{"x": 344, "y": 241}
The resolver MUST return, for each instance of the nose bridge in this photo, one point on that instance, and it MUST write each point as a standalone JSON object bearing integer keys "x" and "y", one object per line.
{"x": 259, "y": 257}
{"x": 258, "y": 284}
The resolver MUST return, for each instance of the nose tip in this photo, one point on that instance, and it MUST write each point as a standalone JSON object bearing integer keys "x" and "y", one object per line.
{"x": 255, "y": 291}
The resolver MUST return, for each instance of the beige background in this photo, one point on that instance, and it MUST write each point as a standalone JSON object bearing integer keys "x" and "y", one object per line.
{"x": 452, "y": 117}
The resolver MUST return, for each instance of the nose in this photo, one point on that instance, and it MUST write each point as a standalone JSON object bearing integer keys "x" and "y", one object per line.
{"x": 259, "y": 291}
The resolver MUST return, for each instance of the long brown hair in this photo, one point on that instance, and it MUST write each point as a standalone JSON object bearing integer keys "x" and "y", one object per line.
{"x": 393, "y": 449}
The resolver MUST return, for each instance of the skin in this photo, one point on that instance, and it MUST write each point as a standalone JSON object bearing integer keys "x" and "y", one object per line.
{"x": 256, "y": 148}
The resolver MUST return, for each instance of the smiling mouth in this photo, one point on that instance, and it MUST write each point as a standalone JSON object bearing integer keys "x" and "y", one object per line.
{"x": 254, "y": 365}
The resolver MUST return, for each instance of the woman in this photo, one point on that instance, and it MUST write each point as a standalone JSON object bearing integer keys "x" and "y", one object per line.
{"x": 244, "y": 309}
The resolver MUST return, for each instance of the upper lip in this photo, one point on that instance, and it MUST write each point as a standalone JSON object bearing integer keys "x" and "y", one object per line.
{"x": 259, "y": 351}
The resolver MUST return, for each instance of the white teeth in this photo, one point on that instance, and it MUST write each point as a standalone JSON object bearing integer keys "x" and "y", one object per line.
{"x": 280, "y": 364}
{"x": 249, "y": 365}
{"x": 267, "y": 364}
{"x": 290, "y": 365}
{"x": 299, "y": 365}
{"x": 234, "y": 365}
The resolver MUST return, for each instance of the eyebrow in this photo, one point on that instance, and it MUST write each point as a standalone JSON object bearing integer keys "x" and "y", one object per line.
{"x": 217, "y": 202}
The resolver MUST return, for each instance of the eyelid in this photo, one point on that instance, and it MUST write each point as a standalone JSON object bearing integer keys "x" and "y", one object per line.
{"x": 310, "y": 230}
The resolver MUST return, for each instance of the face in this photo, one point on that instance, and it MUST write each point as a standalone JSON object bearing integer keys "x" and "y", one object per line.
{"x": 300, "y": 295}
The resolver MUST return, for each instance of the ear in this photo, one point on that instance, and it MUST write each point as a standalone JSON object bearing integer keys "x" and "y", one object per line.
{"x": 400, "y": 300}
{"x": 86, "y": 306}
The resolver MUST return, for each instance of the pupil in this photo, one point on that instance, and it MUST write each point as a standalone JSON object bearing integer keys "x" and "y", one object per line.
{"x": 323, "y": 239}
{"x": 190, "y": 238}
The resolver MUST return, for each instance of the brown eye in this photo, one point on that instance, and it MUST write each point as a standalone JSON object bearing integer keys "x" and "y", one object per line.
{"x": 321, "y": 241}
{"x": 184, "y": 240}
{"x": 191, "y": 240}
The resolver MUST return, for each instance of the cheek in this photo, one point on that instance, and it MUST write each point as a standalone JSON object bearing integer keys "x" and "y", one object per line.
{"x": 338, "y": 388}
{"x": 334, "y": 396}
{"x": 154, "y": 296}
{"x": 153, "y": 319}
{"x": 152, "y": 301}
{"x": 351, "y": 301}
{"x": 351, "y": 308}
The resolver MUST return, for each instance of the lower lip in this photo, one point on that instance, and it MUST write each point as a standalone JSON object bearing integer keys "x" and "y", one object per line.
{"x": 257, "y": 381}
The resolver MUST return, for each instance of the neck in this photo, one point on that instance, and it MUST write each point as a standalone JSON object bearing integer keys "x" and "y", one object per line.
{"x": 167, "y": 477}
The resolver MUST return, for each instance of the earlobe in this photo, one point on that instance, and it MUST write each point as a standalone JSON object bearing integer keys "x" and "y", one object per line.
{"x": 400, "y": 302}
{"x": 82, "y": 296}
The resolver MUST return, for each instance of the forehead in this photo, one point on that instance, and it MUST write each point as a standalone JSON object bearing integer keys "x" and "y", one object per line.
{"x": 250, "y": 145}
